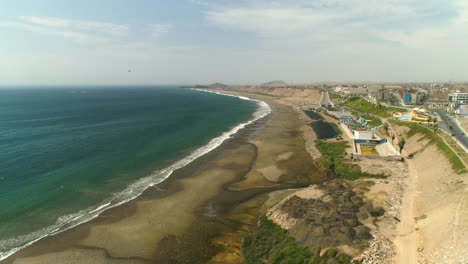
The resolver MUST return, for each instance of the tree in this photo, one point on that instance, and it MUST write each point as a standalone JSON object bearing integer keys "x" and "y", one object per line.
{"x": 434, "y": 119}
{"x": 385, "y": 126}
{"x": 393, "y": 138}
{"x": 401, "y": 143}
{"x": 429, "y": 119}
{"x": 436, "y": 127}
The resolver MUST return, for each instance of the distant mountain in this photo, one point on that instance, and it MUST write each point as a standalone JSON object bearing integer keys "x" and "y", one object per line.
{"x": 275, "y": 84}
{"x": 218, "y": 85}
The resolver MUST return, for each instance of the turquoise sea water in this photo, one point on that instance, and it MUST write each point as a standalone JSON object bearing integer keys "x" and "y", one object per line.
{"x": 68, "y": 153}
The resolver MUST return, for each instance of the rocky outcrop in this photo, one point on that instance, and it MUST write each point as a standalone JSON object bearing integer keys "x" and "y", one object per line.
{"x": 334, "y": 219}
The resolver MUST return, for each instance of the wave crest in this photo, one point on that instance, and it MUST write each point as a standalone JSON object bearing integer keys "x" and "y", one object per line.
{"x": 10, "y": 246}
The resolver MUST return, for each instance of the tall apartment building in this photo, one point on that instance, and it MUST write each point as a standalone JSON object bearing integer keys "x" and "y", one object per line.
{"x": 413, "y": 98}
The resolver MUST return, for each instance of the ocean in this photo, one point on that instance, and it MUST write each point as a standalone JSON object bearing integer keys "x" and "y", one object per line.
{"x": 67, "y": 154}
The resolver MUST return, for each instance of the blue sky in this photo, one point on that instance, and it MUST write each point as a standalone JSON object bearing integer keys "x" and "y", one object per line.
{"x": 54, "y": 42}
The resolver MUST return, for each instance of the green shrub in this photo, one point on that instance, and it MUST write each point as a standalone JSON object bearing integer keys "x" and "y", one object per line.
{"x": 331, "y": 252}
{"x": 270, "y": 244}
{"x": 291, "y": 255}
{"x": 343, "y": 258}
{"x": 364, "y": 106}
{"x": 332, "y": 161}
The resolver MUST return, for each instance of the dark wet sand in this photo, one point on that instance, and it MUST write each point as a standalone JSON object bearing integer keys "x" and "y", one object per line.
{"x": 201, "y": 212}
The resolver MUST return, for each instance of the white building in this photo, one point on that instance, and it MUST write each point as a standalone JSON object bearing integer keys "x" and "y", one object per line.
{"x": 363, "y": 134}
{"x": 458, "y": 98}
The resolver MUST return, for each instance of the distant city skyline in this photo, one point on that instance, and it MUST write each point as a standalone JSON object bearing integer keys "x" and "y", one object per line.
{"x": 145, "y": 42}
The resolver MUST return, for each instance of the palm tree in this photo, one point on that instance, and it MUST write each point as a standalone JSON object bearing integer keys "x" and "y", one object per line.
{"x": 434, "y": 119}
{"x": 393, "y": 138}
{"x": 401, "y": 143}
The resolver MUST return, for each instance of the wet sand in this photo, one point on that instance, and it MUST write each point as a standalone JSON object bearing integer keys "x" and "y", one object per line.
{"x": 201, "y": 212}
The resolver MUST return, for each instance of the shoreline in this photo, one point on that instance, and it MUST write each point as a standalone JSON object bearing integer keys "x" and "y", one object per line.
{"x": 197, "y": 201}
{"x": 138, "y": 188}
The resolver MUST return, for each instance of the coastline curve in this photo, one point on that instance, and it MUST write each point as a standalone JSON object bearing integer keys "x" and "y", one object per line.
{"x": 134, "y": 190}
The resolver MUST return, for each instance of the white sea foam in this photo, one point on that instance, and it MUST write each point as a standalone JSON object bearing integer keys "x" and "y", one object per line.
{"x": 12, "y": 245}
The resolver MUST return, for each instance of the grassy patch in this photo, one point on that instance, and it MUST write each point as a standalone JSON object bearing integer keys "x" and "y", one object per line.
{"x": 374, "y": 121}
{"x": 457, "y": 164}
{"x": 270, "y": 244}
{"x": 333, "y": 161}
{"x": 333, "y": 96}
{"x": 461, "y": 153}
{"x": 364, "y": 106}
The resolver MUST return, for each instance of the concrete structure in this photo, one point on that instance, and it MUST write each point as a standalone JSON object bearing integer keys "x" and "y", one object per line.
{"x": 363, "y": 134}
{"x": 458, "y": 98}
{"x": 437, "y": 101}
{"x": 343, "y": 116}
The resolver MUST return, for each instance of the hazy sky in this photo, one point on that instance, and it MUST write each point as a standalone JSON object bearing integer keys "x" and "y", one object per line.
{"x": 52, "y": 42}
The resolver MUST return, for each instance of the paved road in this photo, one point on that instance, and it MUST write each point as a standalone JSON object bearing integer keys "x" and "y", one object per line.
{"x": 325, "y": 99}
{"x": 447, "y": 122}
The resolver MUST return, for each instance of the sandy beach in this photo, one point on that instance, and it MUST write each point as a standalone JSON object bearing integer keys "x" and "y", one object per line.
{"x": 201, "y": 211}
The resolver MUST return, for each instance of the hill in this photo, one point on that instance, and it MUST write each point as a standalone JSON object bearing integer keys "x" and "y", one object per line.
{"x": 218, "y": 85}
{"x": 275, "y": 84}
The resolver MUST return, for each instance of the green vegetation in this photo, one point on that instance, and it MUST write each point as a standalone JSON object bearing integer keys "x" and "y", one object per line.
{"x": 333, "y": 96}
{"x": 333, "y": 161}
{"x": 374, "y": 121}
{"x": 364, "y": 106}
{"x": 452, "y": 143}
{"x": 270, "y": 244}
{"x": 457, "y": 164}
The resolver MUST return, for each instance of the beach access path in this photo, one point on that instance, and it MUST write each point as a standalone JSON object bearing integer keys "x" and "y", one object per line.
{"x": 433, "y": 225}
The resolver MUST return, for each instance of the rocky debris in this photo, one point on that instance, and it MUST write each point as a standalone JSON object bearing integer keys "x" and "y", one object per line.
{"x": 347, "y": 204}
{"x": 282, "y": 219}
{"x": 381, "y": 248}
{"x": 451, "y": 253}
{"x": 334, "y": 221}
{"x": 380, "y": 251}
